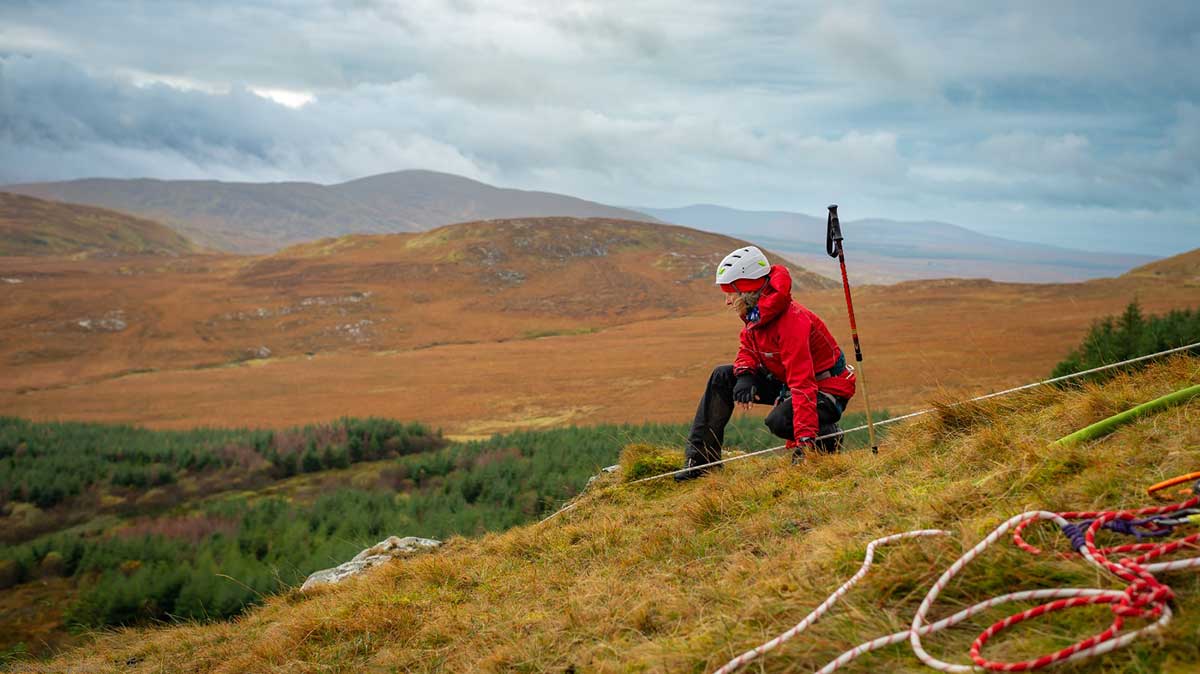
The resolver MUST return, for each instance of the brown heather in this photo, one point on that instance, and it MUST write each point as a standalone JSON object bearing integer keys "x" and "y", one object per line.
{"x": 469, "y": 347}
{"x": 679, "y": 578}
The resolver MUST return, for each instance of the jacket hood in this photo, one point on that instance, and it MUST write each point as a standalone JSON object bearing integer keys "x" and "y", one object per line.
{"x": 776, "y": 296}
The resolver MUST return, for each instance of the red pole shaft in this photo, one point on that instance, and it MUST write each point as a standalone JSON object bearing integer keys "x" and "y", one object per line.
{"x": 850, "y": 307}
{"x": 858, "y": 359}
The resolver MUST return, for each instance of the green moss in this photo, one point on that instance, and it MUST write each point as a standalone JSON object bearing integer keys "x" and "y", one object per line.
{"x": 642, "y": 460}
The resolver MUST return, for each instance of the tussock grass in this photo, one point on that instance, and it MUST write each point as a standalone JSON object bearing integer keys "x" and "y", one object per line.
{"x": 641, "y": 460}
{"x": 679, "y": 578}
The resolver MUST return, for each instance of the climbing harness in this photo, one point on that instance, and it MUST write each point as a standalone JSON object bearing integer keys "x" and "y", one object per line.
{"x": 833, "y": 246}
{"x": 1144, "y": 597}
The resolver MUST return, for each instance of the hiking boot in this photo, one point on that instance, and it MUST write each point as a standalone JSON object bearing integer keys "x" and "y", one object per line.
{"x": 695, "y": 468}
{"x": 830, "y": 445}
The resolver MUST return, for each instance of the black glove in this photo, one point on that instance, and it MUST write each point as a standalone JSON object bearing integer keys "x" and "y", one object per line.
{"x": 743, "y": 390}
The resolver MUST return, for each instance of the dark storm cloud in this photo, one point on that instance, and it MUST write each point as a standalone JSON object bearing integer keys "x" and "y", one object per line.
{"x": 1010, "y": 118}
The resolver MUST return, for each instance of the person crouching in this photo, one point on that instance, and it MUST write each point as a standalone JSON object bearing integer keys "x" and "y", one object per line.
{"x": 786, "y": 358}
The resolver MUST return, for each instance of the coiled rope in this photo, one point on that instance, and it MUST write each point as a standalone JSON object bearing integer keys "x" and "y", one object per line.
{"x": 1144, "y": 597}
{"x": 573, "y": 504}
{"x": 868, "y": 559}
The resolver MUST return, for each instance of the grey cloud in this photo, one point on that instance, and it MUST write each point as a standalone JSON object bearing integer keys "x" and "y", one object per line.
{"x": 160, "y": 131}
{"x": 1033, "y": 111}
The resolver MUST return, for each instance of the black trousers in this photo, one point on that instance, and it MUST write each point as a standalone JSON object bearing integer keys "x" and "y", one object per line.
{"x": 716, "y": 408}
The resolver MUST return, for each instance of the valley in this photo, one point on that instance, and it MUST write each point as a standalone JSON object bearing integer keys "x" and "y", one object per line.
{"x": 522, "y": 353}
{"x": 349, "y": 328}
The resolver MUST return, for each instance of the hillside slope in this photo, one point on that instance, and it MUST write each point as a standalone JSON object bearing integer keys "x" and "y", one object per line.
{"x": 482, "y": 282}
{"x": 682, "y": 578}
{"x": 887, "y": 251}
{"x": 30, "y": 226}
{"x": 1183, "y": 269}
{"x": 313, "y": 334}
{"x": 263, "y": 217}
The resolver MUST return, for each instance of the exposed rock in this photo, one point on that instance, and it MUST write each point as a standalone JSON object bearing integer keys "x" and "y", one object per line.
{"x": 487, "y": 255}
{"x": 358, "y": 332}
{"x": 509, "y": 276}
{"x": 113, "y": 321}
{"x": 12, "y": 280}
{"x": 352, "y": 298}
{"x": 603, "y": 471}
{"x": 391, "y": 548}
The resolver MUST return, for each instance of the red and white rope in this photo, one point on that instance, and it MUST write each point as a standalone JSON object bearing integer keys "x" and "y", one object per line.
{"x": 1145, "y": 597}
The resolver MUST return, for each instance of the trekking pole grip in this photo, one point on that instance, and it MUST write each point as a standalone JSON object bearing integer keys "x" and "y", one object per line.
{"x": 833, "y": 233}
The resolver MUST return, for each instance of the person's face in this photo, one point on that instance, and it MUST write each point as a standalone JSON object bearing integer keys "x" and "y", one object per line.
{"x": 741, "y": 303}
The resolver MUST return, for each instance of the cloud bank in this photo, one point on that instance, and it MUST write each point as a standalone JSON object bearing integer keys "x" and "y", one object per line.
{"x": 1076, "y": 124}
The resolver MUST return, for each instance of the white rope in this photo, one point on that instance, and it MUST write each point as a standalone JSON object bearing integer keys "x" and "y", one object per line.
{"x": 919, "y": 628}
{"x": 911, "y": 415}
{"x": 739, "y": 661}
{"x": 892, "y": 420}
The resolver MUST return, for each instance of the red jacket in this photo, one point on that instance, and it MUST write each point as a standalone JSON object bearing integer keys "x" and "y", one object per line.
{"x": 793, "y": 344}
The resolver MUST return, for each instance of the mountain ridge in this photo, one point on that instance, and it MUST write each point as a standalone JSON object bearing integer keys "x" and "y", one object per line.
{"x": 262, "y": 217}
{"x": 896, "y": 250}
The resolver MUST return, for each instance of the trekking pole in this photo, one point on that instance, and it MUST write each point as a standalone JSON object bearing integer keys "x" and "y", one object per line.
{"x": 833, "y": 246}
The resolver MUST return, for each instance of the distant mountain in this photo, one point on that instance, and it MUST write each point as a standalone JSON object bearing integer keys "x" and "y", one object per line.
{"x": 263, "y": 217}
{"x": 30, "y": 227}
{"x": 886, "y": 251}
{"x": 783, "y": 225}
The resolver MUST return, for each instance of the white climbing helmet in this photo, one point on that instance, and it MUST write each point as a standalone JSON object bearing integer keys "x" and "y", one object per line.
{"x": 743, "y": 264}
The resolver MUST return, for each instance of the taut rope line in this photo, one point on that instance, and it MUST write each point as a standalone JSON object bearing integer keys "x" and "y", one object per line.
{"x": 919, "y": 413}
{"x": 903, "y": 417}
{"x": 898, "y": 419}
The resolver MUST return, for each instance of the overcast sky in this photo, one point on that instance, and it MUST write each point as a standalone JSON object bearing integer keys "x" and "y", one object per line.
{"x": 1076, "y": 123}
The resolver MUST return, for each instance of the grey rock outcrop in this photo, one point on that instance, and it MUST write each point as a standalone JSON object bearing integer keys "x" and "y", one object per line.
{"x": 385, "y": 550}
{"x": 603, "y": 471}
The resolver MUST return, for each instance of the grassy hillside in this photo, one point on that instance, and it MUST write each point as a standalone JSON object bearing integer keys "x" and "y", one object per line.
{"x": 112, "y": 525}
{"x": 30, "y": 226}
{"x": 1183, "y": 268}
{"x": 568, "y": 268}
{"x": 681, "y": 578}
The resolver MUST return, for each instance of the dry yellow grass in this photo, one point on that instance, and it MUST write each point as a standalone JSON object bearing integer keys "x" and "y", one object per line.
{"x": 667, "y": 577}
